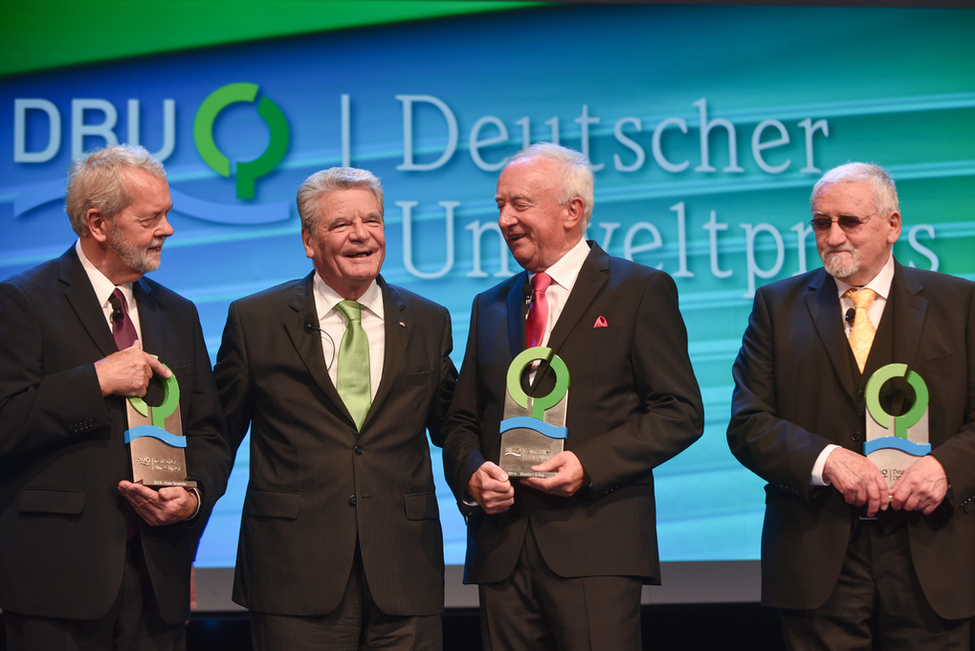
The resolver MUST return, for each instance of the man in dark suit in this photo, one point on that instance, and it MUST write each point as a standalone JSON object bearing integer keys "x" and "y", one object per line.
{"x": 89, "y": 560}
{"x": 340, "y": 543}
{"x": 561, "y": 560}
{"x": 846, "y": 558}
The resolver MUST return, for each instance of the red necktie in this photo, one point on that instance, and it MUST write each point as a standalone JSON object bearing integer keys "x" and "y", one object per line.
{"x": 122, "y": 327}
{"x": 537, "y": 311}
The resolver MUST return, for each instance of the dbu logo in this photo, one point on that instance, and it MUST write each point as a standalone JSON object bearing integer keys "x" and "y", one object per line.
{"x": 248, "y": 171}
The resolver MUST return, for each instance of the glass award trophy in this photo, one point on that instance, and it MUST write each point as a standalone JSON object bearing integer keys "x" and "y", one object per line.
{"x": 894, "y": 442}
{"x": 533, "y": 429}
{"x": 156, "y": 442}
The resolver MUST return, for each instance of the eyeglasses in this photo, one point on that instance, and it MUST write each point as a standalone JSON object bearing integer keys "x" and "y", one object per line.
{"x": 848, "y": 223}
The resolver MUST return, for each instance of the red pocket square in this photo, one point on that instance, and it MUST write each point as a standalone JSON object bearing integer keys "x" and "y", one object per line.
{"x": 600, "y": 322}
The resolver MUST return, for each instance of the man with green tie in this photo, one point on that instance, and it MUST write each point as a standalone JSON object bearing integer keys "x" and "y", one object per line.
{"x": 339, "y": 375}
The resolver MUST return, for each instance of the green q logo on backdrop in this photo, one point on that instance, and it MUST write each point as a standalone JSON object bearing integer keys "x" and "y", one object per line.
{"x": 247, "y": 172}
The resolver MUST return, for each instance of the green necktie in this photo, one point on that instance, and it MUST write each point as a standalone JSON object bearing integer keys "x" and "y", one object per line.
{"x": 353, "y": 370}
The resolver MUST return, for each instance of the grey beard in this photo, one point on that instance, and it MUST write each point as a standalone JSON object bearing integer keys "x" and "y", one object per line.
{"x": 138, "y": 259}
{"x": 834, "y": 267}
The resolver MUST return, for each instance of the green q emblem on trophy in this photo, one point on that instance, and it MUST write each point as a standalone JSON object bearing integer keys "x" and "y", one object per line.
{"x": 894, "y": 452}
{"x": 533, "y": 429}
{"x": 155, "y": 439}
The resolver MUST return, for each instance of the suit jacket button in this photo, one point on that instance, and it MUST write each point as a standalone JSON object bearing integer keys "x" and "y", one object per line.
{"x": 856, "y": 436}
{"x": 352, "y": 501}
{"x": 358, "y": 449}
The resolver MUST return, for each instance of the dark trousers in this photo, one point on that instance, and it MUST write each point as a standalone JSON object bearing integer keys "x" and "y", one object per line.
{"x": 357, "y": 624}
{"x": 877, "y": 595}
{"x": 132, "y": 624}
{"x": 535, "y": 609}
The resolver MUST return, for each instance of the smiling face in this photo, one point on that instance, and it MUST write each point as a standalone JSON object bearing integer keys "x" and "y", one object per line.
{"x": 538, "y": 229}
{"x": 857, "y": 256}
{"x": 348, "y": 245}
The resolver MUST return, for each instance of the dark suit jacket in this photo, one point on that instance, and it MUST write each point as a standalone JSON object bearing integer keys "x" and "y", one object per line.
{"x": 315, "y": 484}
{"x": 62, "y": 519}
{"x": 797, "y": 389}
{"x": 633, "y": 403}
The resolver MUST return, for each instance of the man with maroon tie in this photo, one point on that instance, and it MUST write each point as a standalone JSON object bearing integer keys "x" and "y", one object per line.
{"x": 88, "y": 559}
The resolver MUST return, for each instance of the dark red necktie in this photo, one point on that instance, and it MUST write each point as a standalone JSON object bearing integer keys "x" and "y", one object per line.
{"x": 122, "y": 327}
{"x": 124, "y": 332}
{"x": 537, "y": 311}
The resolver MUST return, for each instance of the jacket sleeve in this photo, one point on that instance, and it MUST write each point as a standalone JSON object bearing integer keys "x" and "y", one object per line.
{"x": 232, "y": 373}
{"x": 669, "y": 412}
{"x": 462, "y": 428}
{"x": 777, "y": 450}
{"x": 41, "y": 409}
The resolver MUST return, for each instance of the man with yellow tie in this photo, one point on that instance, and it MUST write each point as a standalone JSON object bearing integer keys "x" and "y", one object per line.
{"x": 339, "y": 375}
{"x": 847, "y": 559}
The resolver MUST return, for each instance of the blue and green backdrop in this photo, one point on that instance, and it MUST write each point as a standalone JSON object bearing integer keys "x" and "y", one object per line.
{"x": 708, "y": 126}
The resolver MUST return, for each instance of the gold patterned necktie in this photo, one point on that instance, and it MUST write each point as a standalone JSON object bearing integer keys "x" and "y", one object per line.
{"x": 352, "y": 375}
{"x": 861, "y": 337}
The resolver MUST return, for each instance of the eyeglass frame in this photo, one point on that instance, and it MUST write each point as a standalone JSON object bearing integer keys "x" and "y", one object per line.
{"x": 852, "y": 225}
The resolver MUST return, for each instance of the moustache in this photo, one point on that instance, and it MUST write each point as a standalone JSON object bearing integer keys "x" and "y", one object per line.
{"x": 843, "y": 248}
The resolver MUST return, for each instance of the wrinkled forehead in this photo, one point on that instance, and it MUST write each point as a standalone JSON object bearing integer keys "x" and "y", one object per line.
{"x": 349, "y": 202}
{"x": 844, "y": 198}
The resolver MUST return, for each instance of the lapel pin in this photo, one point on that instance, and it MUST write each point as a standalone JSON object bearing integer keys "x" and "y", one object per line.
{"x": 402, "y": 325}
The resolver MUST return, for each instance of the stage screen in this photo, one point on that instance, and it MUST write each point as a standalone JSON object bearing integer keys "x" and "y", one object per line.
{"x": 707, "y": 126}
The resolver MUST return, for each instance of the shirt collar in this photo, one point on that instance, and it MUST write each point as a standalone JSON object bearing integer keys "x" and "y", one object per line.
{"x": 103, "y": 286}
{"x": 565, "y": 271}
{"x": 327, "y": 298}
{"x": 880, "y": 284}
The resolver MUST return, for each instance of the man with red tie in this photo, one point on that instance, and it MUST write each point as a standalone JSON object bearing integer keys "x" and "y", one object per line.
{"x": 561, "y": 560}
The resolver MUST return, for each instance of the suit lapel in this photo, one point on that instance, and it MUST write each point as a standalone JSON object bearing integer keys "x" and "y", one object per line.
{"x": 824, "y": 310}
{"x": 398, "y": 324}
{"x": 309, "y": 344}
{"x": 155, "y": 337}
{"x": 909, "y": 311}
{"x": 516, "y": 314}
{"x": 81, "y": 297}
{"x": 593, "y": 275}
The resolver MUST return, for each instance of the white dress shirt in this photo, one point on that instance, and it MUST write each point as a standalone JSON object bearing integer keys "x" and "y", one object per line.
{"x": 103, "y": 289}
{"x": 563, "y": 274}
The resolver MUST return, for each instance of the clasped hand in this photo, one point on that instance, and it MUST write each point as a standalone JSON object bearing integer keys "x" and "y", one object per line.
{"x": 493, "y": 490}
{"x": 922, "y": 487}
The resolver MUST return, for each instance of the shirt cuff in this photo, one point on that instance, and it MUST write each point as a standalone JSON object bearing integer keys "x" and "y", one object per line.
{"x": 817, "y": 479}
{"x": 199, "y": 503}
